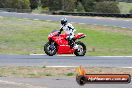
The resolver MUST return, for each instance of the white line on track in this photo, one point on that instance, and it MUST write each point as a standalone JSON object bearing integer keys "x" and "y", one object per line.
{"x": 115, "y": 67}
{"x": 127, "y": 20}
{"x": 74, "y": 55}
{"x": 98, "y": 18}
{"x": 56, "y": 55}
{"x": 61, "y": 66}
{"x": 49, "y": 20}
{"x": 35, "y": 19}
{"x": 113, "y": 56}
{"x": 36, "y": 54}
{"x": 66, "y": 55}
{"x": 83, "y": 66}
{"x": 113, "y": 19}
{"x": 123, "y": 27}
{"x": 82, "y": 23}
{"x": 126, "y": 67}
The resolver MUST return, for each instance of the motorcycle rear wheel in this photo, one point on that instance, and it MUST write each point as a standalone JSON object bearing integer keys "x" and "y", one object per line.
{"x": 48, "y": 51}
{"x": 82, "y": 50}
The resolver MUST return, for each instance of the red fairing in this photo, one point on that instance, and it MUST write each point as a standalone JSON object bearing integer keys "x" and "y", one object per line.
{"x": 60, "y": 40}
{"x": 63, "y": 47}
{"x": 79, "y": 35}
{"x": 52, "y": 35}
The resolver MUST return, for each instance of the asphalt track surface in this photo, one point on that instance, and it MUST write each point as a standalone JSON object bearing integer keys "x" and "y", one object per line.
{"x": 44, "y": 60}
{"x": 87, "y": 20}
{"x": 53, "y": 82}
{"x": 58, "y": 82}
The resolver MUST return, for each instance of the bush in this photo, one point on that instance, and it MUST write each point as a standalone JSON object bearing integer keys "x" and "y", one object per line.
{"x": 106, "y": 7}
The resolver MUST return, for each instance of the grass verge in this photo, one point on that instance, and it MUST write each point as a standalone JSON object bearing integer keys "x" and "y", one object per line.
{"x": 125, "y": 7}
{"x": 24, "y": 36}
{"x": 38, "y": 72}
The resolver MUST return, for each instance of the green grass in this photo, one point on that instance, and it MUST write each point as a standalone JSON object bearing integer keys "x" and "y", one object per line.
{"x": 125, "y": 7}
{"x": 70, "y": 74}
{"x": 24, "y": 36}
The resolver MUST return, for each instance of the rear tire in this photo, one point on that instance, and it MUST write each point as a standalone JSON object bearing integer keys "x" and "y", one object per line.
{"x": 82, "y": 51}
{"x": 47, "y": 50}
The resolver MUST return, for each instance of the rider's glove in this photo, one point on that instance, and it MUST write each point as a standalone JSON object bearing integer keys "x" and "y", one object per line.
{"x": 58, "y": 33}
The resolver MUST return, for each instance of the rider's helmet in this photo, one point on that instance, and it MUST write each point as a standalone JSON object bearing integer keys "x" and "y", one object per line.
{"x": 63, "y": 21}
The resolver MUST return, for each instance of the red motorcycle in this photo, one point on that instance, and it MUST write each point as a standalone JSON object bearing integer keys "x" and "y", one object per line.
{"x": 59, "y": 44}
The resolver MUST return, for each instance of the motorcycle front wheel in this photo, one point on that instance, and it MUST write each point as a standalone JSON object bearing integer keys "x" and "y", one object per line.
{"x": 81, "y": 49}
{"x": 50, "y": 48}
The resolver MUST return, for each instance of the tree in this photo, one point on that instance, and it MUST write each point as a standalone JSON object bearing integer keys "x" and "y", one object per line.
{"x": 88, "y": 5}
{"x": 2, "y": 3}
{"x": 104, "y": 0}
{"x": 22, "y": 4}
{"x": 106, "y": 7}
{"x": 45, "y": 3}
{"x": 79, "y": 7}
{"x": 18, "y": 4}
{"x": 34, "y": 4}
{"x": 69, "y": 5}
{"x": 54, "y": 5}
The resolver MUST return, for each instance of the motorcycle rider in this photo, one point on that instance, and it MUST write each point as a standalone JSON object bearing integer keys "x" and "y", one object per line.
{"x": 68, "y": 29}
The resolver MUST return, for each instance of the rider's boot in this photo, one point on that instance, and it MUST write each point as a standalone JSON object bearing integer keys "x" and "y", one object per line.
{"x": 73, "y": 45}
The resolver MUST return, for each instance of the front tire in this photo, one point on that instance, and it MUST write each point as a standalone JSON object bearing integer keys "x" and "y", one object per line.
{"x": 48, "y": 50}
{"x": 82, "y": 49}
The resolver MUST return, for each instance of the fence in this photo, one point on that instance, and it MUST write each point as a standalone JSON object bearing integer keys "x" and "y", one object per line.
{"x": 94, "y": 14}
